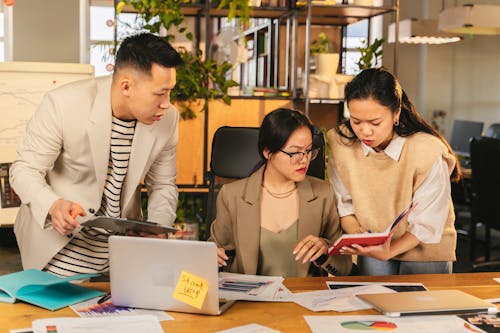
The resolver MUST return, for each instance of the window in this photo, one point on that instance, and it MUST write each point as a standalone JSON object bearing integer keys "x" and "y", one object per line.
{"x": 356, "y": 36}
{"x": 102, "y": 35}
{"x": 2, "y": 34}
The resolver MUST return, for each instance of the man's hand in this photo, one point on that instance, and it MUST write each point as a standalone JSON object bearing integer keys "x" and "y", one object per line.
{"x": 63, "y": 215}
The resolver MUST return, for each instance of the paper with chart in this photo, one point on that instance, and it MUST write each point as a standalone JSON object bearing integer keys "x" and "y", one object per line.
{"x": 92, "y": 308}
{"x": 340, "y": 300}
{"x": 22, "y": 87}
{"x": 253, "y": 288}
{"x": 416, "y": 324}
{"x": 132, "y": 324}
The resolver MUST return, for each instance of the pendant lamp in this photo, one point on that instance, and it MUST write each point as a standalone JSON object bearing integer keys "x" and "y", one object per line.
{"x": 471, "y": 19}
{"x": 413, "y": 31}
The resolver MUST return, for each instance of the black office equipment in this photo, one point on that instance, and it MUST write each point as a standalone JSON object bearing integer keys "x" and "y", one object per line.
{"x": 485, "y": 161}
{"x": 493, "y": 131}
{"x": 463, "y": 131}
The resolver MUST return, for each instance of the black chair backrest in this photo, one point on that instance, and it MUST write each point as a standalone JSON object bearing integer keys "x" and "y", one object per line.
{"x": 485, "y": 163}
{"x": 493, "y": 131}
{"x": 234, "y": 152}
{"x": 317, "y": 166}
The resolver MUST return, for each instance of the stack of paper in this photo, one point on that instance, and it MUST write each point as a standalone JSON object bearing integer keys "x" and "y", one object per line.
{"x": 253, "y": 288}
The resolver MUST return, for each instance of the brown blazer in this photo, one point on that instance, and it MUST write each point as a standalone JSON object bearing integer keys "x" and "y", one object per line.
{"x": 237, "y": 226}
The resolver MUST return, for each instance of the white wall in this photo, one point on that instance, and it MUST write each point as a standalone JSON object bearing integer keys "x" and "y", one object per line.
{"x": 460, "y": 78}
{"x": 46, "y": 31}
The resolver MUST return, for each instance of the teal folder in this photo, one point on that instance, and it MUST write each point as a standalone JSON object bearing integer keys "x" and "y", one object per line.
{"x": 44, "y": 289}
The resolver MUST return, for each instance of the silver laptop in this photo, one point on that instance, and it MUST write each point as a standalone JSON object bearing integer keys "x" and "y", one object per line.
{"x": 144, "y": 273}
{"x": 427, "y": 302}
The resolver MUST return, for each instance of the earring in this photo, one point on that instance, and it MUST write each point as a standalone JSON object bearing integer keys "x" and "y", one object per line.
{"x": 396, "y": 123}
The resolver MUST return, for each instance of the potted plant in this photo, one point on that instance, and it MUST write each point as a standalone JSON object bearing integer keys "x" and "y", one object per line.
{"x": 371, "y": 55}
{"x": 198, "y": 79}
{"x": 322, "y": 50}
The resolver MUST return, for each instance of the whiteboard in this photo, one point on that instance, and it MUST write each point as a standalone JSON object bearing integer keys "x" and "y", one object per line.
{"x": 22, "y": 87}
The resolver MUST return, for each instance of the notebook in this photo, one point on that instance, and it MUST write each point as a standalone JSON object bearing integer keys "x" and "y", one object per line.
{"x": 368, "y": 238}
{"x": 44, "y": 289}
{"x": 144, "y": 273}
{"x": 427, "y": 302}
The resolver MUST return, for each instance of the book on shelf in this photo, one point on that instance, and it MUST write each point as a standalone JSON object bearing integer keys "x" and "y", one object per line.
{"x": 44, "y": 289}
{"x": 369, "y": 238}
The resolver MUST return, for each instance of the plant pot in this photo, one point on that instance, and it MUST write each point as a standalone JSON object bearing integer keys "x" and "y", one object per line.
{"x": 327, "y": 63}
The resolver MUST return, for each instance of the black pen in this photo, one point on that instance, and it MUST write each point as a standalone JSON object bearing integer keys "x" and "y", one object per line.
{"x": 104, "y": 298}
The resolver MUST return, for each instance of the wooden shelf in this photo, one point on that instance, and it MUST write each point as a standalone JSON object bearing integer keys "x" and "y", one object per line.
{"x": 257, "y": 12}
{"x": 340, "y": 14}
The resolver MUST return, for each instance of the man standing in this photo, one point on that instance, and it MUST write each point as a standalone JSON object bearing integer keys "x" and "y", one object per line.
{"x": 90, "y": 144}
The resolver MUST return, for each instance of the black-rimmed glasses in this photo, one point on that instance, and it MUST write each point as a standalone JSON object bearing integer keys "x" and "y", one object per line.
{"x": 296, "y": 157}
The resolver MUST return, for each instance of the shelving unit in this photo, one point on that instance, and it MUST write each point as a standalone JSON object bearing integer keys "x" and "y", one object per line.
{"x": 280, "y": 46}
{"x": 338, "y": 15}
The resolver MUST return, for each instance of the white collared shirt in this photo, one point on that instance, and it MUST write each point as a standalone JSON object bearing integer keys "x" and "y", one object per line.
{"x": 427, "y": 220}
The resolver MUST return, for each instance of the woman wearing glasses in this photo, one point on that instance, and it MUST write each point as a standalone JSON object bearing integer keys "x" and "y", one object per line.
{"x": 384, "y": 157}
{"x": 279, "y": 221}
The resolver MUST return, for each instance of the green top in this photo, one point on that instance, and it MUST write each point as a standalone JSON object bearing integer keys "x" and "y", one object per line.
{"x": 275, "y": 252}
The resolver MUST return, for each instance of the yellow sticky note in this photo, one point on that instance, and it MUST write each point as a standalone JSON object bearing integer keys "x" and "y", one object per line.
{"x": 191, "y": 289}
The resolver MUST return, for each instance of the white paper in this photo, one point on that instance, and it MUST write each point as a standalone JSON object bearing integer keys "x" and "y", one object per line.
{"x": 253, "y": 288}
{"x": 91, "y": 309}
{"x": 493, "y": 300}
{"x": 417, "y": 324}
{"x": 340, "y": 300}
{"x": 129, "y": 324}
{"x": 250, "y": 328}
{"x": 497, "y": 279}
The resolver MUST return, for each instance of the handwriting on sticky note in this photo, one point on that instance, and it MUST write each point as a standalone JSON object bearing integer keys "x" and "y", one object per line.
{"x": 191, "y": 289}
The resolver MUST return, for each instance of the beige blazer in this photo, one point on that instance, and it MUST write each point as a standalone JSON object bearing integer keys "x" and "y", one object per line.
{"x": 64, "y": 154}
{"x": 237, "y": 225}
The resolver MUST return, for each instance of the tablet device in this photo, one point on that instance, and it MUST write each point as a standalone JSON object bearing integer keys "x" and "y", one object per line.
{"x": 122, "y": 226}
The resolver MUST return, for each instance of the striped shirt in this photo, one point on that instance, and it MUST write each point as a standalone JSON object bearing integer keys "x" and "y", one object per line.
{"x": 88, "y": 251}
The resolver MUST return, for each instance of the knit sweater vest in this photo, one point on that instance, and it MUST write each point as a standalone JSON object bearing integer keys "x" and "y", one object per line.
{"x": 381, "y": 187}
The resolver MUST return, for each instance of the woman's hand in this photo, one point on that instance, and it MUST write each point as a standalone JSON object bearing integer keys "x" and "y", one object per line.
{"x": 221, "y": 257}
{"x": 310, "y": 249}
{"x": 390, "y": 249}
{"x": 380, "y": 252}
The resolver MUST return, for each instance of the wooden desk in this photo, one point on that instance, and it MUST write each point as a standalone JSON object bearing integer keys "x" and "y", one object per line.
{"x": 286, "y": 317}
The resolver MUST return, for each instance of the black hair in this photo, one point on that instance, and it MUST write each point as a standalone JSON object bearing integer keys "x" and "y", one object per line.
{"x": 277, "y": 127}
{"x": 143, "y": 50}
{"x": 381, "y": 86}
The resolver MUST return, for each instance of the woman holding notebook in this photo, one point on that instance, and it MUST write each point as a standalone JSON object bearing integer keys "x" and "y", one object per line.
{"x": 279, "y": 221}
{"x": 382, "y": 158}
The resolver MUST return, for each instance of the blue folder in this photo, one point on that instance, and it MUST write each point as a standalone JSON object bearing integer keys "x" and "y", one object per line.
{"x": 44, "y": 289}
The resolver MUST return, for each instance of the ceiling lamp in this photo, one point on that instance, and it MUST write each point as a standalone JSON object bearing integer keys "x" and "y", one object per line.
{"x": 471, "y": 19}
{"x": 415, "y": 31}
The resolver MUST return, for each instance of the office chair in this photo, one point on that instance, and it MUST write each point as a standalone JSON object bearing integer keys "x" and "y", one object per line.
{"x": 493, "y": 131}
{"x": 235, "y": 155}
{"x": 485, "y": 162}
